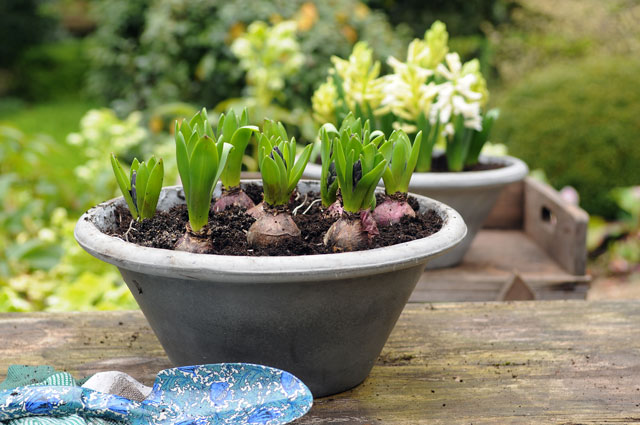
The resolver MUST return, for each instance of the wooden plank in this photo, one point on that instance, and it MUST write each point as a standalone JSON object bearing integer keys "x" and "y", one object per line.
{"x": 495, "y": 256}
{"x": 571, "y": 362}
{"x": 559, "y": 228}
{"x": 508, "y": 212}
{"x": 82, "y": 343}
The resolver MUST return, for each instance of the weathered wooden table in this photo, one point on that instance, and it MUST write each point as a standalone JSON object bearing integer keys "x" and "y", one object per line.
{"x": 566, "y": 362}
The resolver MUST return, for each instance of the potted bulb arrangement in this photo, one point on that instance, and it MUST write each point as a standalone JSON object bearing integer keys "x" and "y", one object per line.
{"x": 324, "y": 316}
{"x": 431, "y": 93}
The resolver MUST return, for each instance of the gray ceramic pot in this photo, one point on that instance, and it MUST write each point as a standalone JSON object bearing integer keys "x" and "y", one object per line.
{"x": 324, "y": 318}
{"x": 472, "y": 193}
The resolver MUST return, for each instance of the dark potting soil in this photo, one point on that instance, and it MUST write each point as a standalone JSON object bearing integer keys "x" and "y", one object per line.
{"x": 229, "y": 228}
{"x": 439, "y": 165}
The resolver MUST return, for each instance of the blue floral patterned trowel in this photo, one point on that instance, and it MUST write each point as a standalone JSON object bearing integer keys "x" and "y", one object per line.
{"x": 216, "y": 394}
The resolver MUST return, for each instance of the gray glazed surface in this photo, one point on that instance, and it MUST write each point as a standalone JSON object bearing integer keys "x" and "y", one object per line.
{"x": 324, "y": 318}
{"x": 472, "y": 193}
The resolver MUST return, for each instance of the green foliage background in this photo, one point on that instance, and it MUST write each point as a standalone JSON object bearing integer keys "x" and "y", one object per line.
{"x": 579, "y": 122}
{"x": 148, "y": 53}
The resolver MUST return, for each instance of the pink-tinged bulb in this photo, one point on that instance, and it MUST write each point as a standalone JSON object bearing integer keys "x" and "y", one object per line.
{"x": 335, "y": 210}
{"x": 391, "y": 212}
{"x": 272, "y": 230}
{"x": 227, "y": 200}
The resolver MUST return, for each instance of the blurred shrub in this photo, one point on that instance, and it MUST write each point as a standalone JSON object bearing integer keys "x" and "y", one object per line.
{"x": 578, "y": 122}
{"x": 540, "y": 32}
{"x": 22, "y": 24}
{"x": 462, "y": 17}
{"x": 150, "y": 53}
{"x": 44, "y": 187}
{"x": 616, "y": 244}
{"x": 49, "y": 71}
{"x": 466, "y": 21}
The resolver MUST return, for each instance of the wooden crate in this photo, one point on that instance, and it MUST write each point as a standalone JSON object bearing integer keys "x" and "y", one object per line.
{"x": 532, "y": 246}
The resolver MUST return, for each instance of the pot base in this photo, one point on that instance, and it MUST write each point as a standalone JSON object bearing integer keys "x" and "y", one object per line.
{"x": 327, "y": 333}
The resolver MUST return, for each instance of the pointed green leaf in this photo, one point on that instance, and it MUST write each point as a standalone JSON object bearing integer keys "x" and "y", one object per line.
{"x": 223, "y": 160}
{"x": 141, "y": 185}
{"x": 152, "y": 191}
{"x": 182, "y": 158}
{"x": 202, "y": 171}
{"x": 124, "y": 184}
{"x": 240, "y": 140}
{"x": 229, "y": 126}
{"x": 298, "y": 168}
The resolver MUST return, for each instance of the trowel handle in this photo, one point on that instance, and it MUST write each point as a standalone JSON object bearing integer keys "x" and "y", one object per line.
{"x": 67, "y": 400}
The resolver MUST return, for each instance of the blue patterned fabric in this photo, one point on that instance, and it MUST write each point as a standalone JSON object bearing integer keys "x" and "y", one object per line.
{"x": 220, "y": 394}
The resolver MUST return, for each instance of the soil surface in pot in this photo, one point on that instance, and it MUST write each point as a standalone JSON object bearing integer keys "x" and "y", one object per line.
{"x": 439, "y": 165}
{"x": 229, "y": 228}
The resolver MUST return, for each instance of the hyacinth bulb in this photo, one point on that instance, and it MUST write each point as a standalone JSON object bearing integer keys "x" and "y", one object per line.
{"x": 391, "y": 212}
{"x": 352, "y": 233}
{"x": 231, "y": 198}
{"x": 195, "y": 242}
{"x": 272, "y": 230}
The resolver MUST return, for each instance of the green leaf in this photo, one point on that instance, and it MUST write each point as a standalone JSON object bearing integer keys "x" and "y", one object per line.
{"x": 479, "y": 138}
{"x": 124, "y": 184}
{"x": 223, "y": 157}
{"x": 365, "y": 190}
{"x": 239, "y": 141}
{"x": 203, "y": 167}
{"x": 244, "y": 118}
{"x": 430, "y": 134}
{"x": 398, "y": 161}
{"x": 152, "y": 191}
{"x": 229, "y": 126}
{"x": 411, "y": 163}
{"x": 134, "y": 167}
{"x": 182, "y": 158}
{"x": 270, "y": 179}
{"x": 141, "y": 186}
{"x": 298, "y": 168}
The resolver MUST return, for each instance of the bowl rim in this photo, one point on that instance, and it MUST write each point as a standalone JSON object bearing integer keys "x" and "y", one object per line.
{"x": 230, "y": 269}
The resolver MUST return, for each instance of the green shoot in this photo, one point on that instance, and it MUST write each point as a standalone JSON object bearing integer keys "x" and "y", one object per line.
{"x": 359, "y": 165}
{"x": 479, "y": 138}
{"x": 236, "y": 132}
{"x": 201, "y": 161}
{"x": 278, "y": 166}
{"x": 328, "y": 181}
{"x": 141, "y": 189}
{"x": 430, "y": 136}
{"x": 402, "y": 158}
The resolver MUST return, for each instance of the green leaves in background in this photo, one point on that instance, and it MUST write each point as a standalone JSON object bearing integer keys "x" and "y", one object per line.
{"x": 479, "y": 138}
{"x": 201, "y": 161}
{"x": 278, "y": 166}
{"x": 402, "y": 157}
{"x": 141, "y": 189}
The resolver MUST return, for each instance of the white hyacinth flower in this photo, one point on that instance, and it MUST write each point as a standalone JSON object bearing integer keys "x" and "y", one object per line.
{"x": 458, "y": 96}
{"x": 407, "y": 94}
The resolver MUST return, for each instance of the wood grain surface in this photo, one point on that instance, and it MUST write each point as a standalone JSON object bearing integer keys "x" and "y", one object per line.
{"x": 560, "y": 362}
